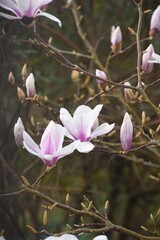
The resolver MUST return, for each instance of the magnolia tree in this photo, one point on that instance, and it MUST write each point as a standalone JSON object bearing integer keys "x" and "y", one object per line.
{"x": 80, "y": 144}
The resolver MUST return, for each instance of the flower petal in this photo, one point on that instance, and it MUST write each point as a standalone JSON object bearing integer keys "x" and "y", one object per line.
{"x": 11, "y": 17}
{"x": 11, "y": 6}
{"x": 52, "y": 138}
{"x": 53, "y": 18}
{"x": 66, "y": 150}
{"x": 68, "y": 237}
{"x": 101, "y": 130}
{"x": 85, "y": 147}
{"x": 68, "y": 123}
{"x": 30, "y": 145}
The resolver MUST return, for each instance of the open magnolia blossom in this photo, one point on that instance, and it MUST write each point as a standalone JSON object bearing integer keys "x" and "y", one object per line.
{"x": 50, "y": 149}
{"x": 84, "y": 126}
{"x": 26, "y": 10}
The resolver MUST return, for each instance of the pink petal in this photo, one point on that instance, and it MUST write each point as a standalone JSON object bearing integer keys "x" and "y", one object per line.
{"x": 52, "y": 138}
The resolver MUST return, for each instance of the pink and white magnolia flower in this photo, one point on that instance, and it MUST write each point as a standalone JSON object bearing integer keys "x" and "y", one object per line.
{"x": 116, "y": 39}
{"x": 126, "y": 133}
{"x": 84, "y": 126}
{"x": 155, "y": 22}
{"x": 30, "y": 86}
{"x": 26, "y": 10}
{"x": 63, "y": 237}
{"x": 18, "y": 132}
{"x": 50, "y": 149}
{"x": 147, "y": 66}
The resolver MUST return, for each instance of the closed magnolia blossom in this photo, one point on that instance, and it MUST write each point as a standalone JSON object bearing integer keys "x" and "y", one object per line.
{"x": 116, "y": 39}
{"x": 102, "y": 75}
{"x": 63, "y": 237}
{"x": 84, "y": 126}
{"x": 50, "y": 149}
{"x": 18, "y": 132}
{"x": 126, "y": 133}
{"x": 146, "y": 65}
{"x": 155, "y": 22}
{"x": 130, "y": 97}
{"x": 30, "y": 86}
{"x": 26, "y": 10}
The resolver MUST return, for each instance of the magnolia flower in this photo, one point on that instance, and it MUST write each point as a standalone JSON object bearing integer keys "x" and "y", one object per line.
{"x": 155, "y": 22}
{"x": 100, "y": 237}
{"x": 30, "y": 86}
{"x": 126, "y": 133}
{"x": 130, "y": 97}
{"x": 101, "y": 74}
{"x": 84, "y": 126}
{"x": 50, "y": 149}
{"x": 26, "y": 10}
{"x": 147, "y": 56}
{"x": 116, "y": 39}
{"x": 62, "y": 237}
{"x": 18, "y": 132}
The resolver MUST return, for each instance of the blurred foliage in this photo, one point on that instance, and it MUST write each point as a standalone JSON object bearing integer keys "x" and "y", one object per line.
{"x": 100, "y": 176}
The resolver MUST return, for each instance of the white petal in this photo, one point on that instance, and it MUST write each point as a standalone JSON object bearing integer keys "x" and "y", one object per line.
{"x": 11, "y": 17}
{"x": 44, "y": 14}
{"x": 85, "y": 147}
{"x": 82, "y": 109}
{"x": 100, "y": 237}
{"x": 30, "y": 145}
{"x": 68, "y": 123}
{"x": 66, "y": 150}
{"x": 52, "y": 238}
{"x": 102, "y": 129}
{"x": 68, "y": 237}
{"x": 156, "y": 57}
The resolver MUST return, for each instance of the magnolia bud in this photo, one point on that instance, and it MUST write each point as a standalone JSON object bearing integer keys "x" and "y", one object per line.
{"x": 30, "y": 86}
{"x": 155, "y": 22}
{"x": 24, "y": 72}
{"x": 101, "y": 83}
{"x": 11, "y": 78}
{"x": 116, "y": 39}
{"x": 21, "y": 94}
{"x": 126, "y": 133}
{"x": 147, "y": 56}
{"x": 130, "y": 97}
{"x": 18, "y": 132}
{"x": 75, "y": 75}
